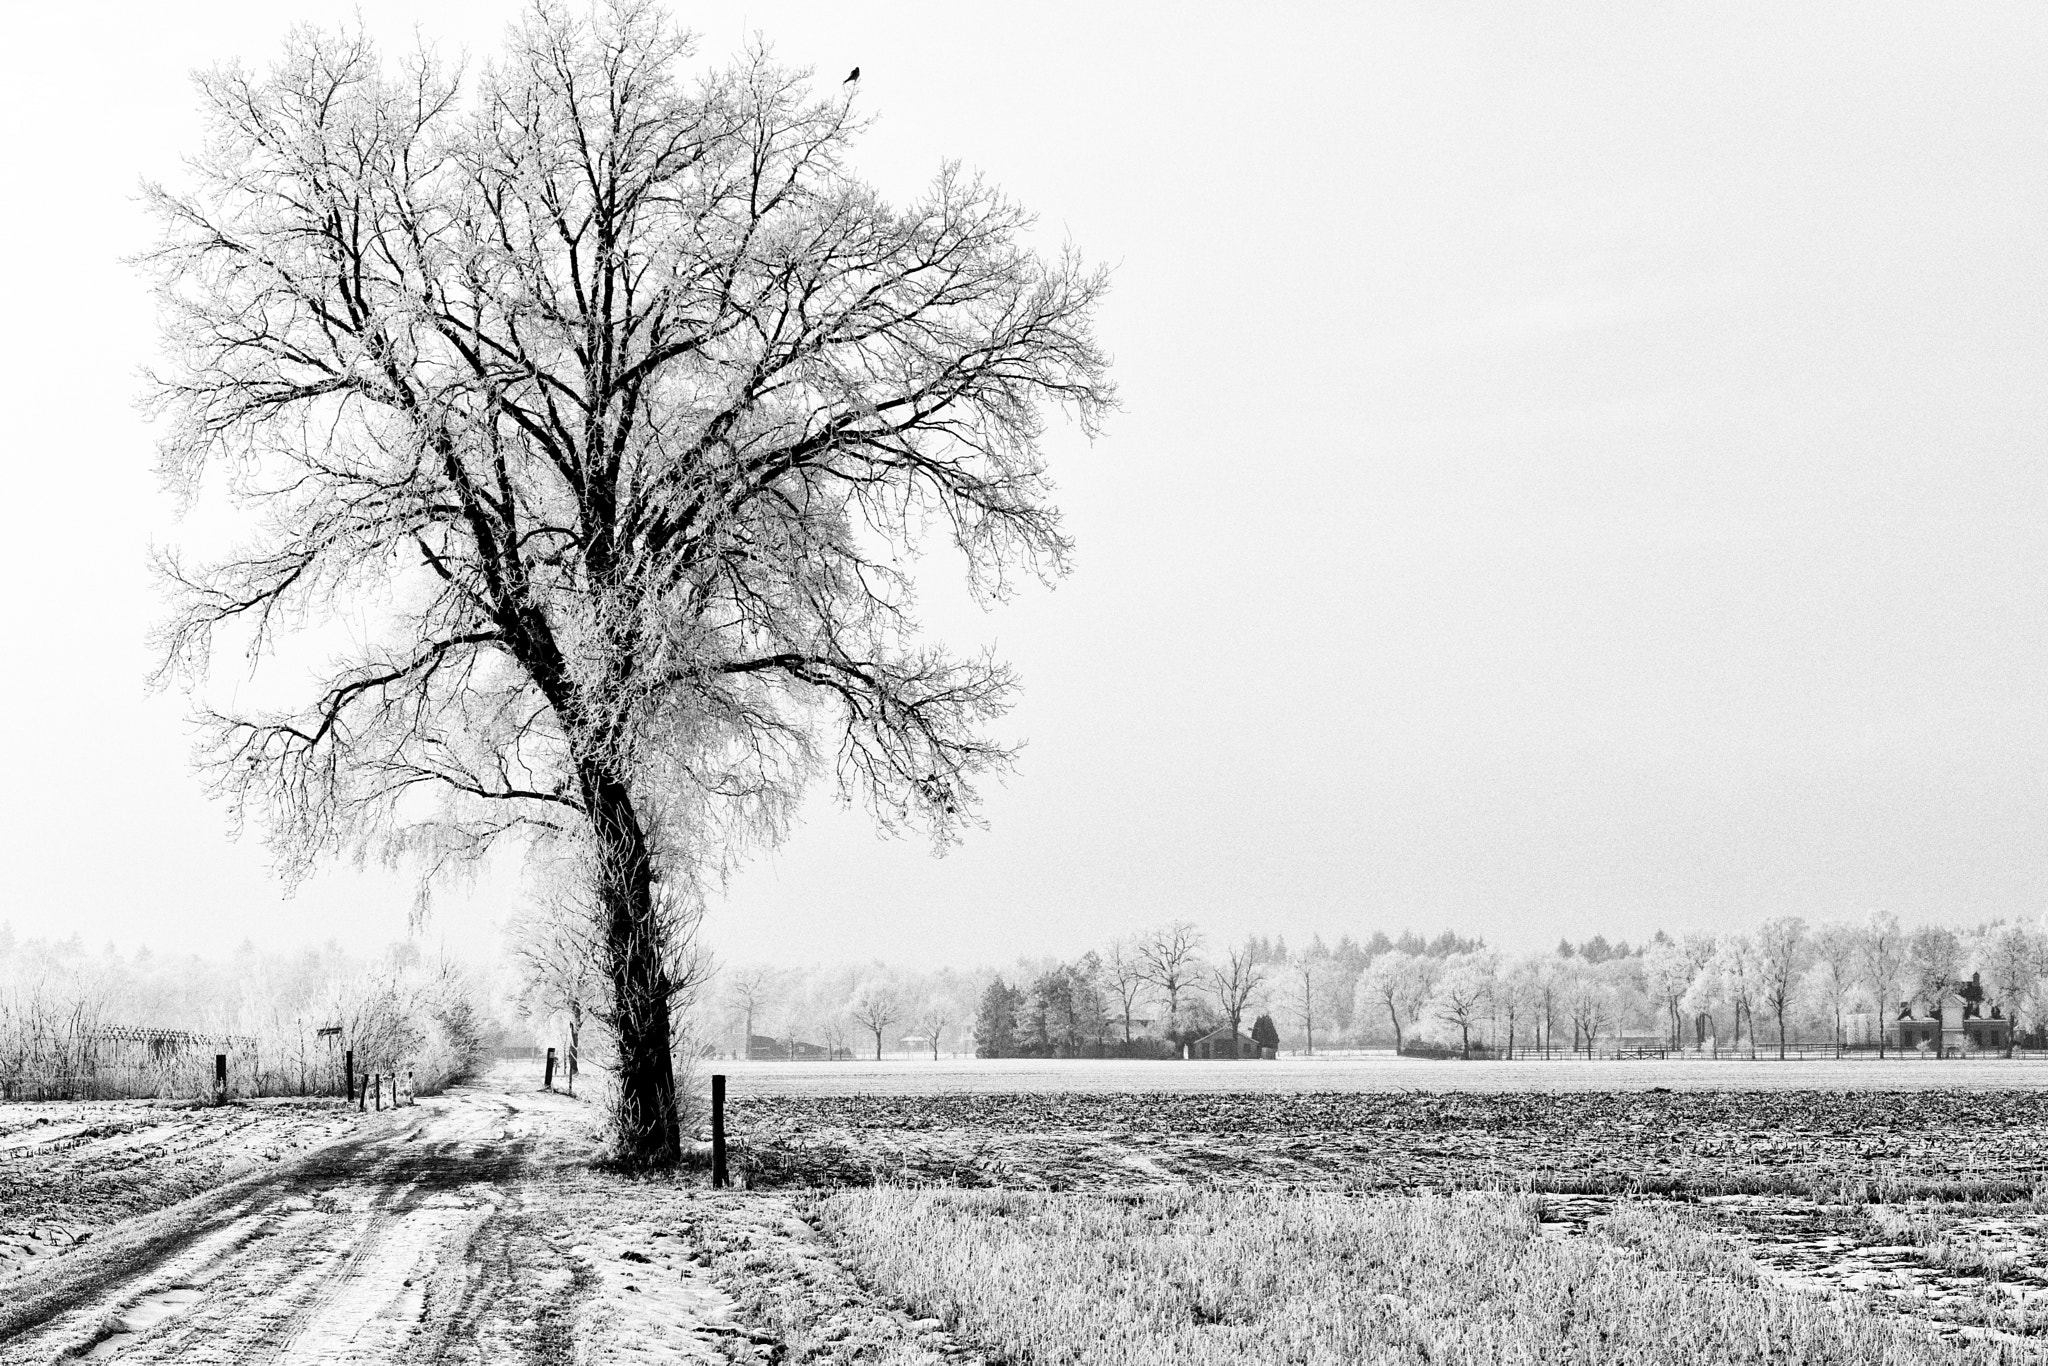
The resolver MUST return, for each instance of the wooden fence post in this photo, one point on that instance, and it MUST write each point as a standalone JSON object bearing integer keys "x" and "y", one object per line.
{"x": 220, "y": 1078}
{"x": 348, "y": 1074}
{"x": 718, "y": 1177}
{"x": 362, "y": 1096}
{"x": 548, "y": 1078}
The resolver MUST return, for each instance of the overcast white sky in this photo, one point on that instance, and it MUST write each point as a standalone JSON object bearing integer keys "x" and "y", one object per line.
{"x": 1582, "y": 469}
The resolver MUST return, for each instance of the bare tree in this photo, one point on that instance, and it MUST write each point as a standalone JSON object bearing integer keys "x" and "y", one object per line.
{"x": 748, "y": 993}
{"x": 935, "y": 1010}
{"x": 1835, "y": 950}
{"x": 2013, "y": 954}
{"x": 1667, "y": 972}
{"x": 875, "y": 1006}
{"x": 1881, "y": 958}
{"x": 1588, "y": 992}
{"x": 604, "y": 406}
{"x": 1310, "y": 974}
{"x": 1235, "y": 981}
{"x": 1124, "y": 977}
{"x": 557, "y": 947}
{"x": 1170, "y": 959}
{"x": 1781, "y": 956}
{"x": 1400, "y": 982}
{"x": 1464, "y": 992}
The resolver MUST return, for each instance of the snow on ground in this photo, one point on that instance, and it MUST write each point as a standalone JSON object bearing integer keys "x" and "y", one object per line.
{"x": 470, "y": 1228}
{"x": 1979, "y": 1145}
{"x": 475, "y": 1228}
{"x": 70, "y": 1169}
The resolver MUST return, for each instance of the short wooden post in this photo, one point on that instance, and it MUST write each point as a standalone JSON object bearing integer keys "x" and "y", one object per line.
{"x": 718, "y": 1177}
{"x": 547, "y": 1082}
{"x": 412, "y": 1094}
{"x": 348, "y": 1075}
{"x": 362, "y": 1095}
{"x": 220, "y": 1078}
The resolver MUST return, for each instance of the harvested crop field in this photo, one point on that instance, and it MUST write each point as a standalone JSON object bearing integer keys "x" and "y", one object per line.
{"x": 1830, "y": 1145}
{"x": 1926, "y": 1206}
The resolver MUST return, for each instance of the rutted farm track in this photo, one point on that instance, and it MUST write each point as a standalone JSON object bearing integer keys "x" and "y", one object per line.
{"x": 371, "y": 1247}
{"x": 469, "y": 1228}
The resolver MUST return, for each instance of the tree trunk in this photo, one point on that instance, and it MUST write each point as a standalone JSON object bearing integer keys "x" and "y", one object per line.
{"x": 1466, "y": 1030}
{"x": 575, "y": 1040}
{"x": 649, "y": 1128}
{"x": 1395, "y": 1016}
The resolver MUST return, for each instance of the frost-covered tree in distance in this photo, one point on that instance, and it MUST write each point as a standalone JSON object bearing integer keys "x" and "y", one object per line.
{"x": 1782, "y": 954}
{"x": 602, "y": 402}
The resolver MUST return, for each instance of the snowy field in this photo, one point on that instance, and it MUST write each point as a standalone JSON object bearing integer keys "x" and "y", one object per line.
{"x": 1908, "y": 1223}
{"x": 1382, "y": 1072}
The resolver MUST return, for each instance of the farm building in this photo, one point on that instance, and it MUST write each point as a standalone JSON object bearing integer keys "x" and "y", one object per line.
{"x": 1953, "y": 1026}
{"x": 765, "y": 1046}
{"x": 1221, "y": 1043}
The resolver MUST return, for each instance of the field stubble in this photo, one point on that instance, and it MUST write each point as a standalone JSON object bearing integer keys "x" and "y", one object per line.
{"x": 1929, "y": 1205}
{"x": 1274, "y": 1276}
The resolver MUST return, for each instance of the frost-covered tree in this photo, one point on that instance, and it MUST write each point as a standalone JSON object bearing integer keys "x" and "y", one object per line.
{"x": 597, "y": 403}
{"x": 1782, "y": 953}
{"x": 1881, "y": 961}
{"x": 1588, "y": 990}
{"x": 1170, "y": 958}
{"x": 937, "y": 1007}
{"x": 1464, "y": 993}
{"x": 877, "y": 1003}
{"x": 1832, "y": 976}
{"x": 1667, "y": 973}
{"x": 1309, "y": 977}
{"x": 1728, "y": 982}
{"x": 750, "y": 993}
{"x": 1124, "y": 981}
{"x": 1234, "y": 979}
{"x": 1935, "y": 963}
{"x": 2013, "y": 957}
{"x": 1399, "y": 983}
{"x": 556, "y": 946}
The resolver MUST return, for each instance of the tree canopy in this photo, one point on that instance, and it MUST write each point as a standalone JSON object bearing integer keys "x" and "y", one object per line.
{"x": 604, "y": 402}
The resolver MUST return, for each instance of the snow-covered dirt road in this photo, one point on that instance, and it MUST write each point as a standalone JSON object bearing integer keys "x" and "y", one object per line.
{"x": 469, "y": 1228}
{"x": 434, "y": 1233}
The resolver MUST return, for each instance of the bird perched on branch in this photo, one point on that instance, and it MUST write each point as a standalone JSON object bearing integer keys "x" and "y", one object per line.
{"x": 852, "y": 78}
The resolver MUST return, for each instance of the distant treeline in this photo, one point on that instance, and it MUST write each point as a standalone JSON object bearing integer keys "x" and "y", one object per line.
{"x": 1154, "y": 994}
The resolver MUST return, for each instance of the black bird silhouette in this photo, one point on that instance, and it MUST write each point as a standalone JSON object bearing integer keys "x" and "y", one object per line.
{"x": 851, "y": 79}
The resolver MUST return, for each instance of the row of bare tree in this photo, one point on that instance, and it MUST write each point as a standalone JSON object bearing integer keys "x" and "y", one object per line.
{"x": 1787, "y": 981}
